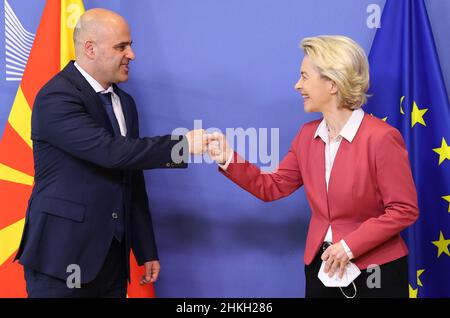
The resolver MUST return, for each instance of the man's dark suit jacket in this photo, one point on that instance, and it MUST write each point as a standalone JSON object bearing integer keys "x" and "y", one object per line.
{"x": 83, "y": 174}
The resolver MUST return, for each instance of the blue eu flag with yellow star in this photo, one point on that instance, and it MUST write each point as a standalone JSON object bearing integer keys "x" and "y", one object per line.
{"x": 408, "y": 91}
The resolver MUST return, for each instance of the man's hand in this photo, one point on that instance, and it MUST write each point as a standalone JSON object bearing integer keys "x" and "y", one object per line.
{"x": 152, "y": 269}
{"x": 218, "y": 148}
{"x": 197, "y": 141}
{"x": 335, "y": 258}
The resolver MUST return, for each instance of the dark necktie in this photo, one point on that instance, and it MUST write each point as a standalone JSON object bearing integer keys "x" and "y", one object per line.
{"x": 107, "y": 103}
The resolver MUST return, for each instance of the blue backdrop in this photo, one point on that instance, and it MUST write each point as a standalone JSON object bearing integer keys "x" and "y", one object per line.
{"x": 232, "y": 64}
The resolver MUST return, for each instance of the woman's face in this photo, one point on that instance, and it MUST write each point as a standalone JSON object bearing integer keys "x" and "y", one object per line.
{"x": 317, "y": 92}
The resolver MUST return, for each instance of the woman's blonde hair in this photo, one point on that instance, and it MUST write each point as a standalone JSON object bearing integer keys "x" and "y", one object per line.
{"x": 343, "y": 61}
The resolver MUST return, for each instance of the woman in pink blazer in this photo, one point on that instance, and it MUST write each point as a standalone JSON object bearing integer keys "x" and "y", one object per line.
{"x": 355, "y": 171}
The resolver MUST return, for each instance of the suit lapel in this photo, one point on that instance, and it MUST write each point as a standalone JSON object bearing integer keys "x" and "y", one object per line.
{"x": 341, "y": 171}
{"x": 344, "y": 171}
{"x": 344, "y": 166}
{"x": 317, "y": 169}
{"x": 96, "y": 108}
{"x": 93, "y": 103}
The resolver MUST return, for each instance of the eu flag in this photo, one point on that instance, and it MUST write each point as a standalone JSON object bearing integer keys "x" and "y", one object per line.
{"x": 408, "y": 92}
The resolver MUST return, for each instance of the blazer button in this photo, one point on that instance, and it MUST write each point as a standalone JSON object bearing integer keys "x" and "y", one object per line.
{"x": 114, "y": 215}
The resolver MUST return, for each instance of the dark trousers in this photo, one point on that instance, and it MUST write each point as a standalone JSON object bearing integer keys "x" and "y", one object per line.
{"x": 111, "y": 281}
{"x": 393, "y": 282}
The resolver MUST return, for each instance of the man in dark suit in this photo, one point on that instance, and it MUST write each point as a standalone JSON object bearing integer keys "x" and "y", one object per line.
{"x": 89, "y": 206}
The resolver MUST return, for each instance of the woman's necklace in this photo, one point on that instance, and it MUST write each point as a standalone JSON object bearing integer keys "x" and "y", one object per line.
{"x": 331, "y": 134}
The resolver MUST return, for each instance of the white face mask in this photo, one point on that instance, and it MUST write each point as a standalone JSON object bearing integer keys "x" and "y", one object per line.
{"x": 350, "y": 273}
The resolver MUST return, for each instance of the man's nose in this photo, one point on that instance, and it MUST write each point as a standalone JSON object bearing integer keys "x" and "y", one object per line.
{"x": 130, "y": 54}
{"x": 298, "y": 86}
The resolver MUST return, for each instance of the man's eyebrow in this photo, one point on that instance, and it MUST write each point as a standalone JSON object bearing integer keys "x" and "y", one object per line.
{"x": 123, "y": 43}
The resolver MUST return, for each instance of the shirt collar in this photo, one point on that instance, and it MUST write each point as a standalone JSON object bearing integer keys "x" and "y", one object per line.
{"x": 322, "y": 131}
{"x": 348, "y": 131}
{"x": 98, "y": 88}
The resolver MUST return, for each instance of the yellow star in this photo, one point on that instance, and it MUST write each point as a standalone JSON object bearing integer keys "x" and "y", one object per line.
{"x": 443, "y": 151}
{"x": 413, "y": 292}
{"x": 447, "y": 198}
{"x": 419, "y": 272}
{"x": 442, "y": 245}
{"x": 417, "y": 115}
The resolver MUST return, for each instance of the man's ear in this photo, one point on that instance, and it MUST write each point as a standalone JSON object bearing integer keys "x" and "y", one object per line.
{"x": 89, "y": 49}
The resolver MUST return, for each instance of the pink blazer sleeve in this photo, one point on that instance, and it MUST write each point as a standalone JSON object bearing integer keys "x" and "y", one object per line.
{"x": 267, "y": 186}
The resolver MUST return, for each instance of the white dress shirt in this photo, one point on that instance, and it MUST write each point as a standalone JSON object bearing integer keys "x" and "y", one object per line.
{"x": 331, "y": 147}
{"x": 117, "y": 106}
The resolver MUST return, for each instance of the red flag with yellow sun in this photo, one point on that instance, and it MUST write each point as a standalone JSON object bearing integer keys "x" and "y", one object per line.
{"x": 52, "y": 50}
